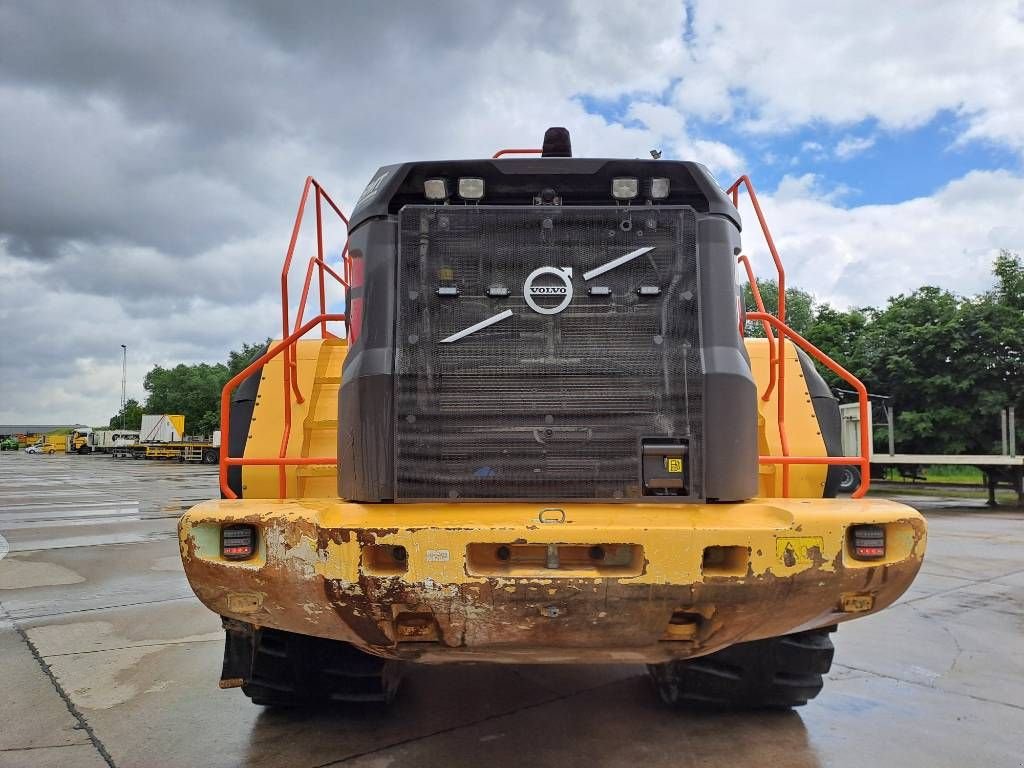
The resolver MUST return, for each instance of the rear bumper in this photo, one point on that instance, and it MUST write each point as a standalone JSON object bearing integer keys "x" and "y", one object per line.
{"x": 679, "y": 580}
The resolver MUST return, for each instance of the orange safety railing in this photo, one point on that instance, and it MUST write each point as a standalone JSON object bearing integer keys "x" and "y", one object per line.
{"x": 501, "y": 152}
{"x": 863, "y": 461}
{"x": 290, "y": 335}
{"x": 780, "y": 356}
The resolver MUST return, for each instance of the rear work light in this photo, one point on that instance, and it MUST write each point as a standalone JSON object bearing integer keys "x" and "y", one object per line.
{"x": 867, "y": 542}
{"x": 659, "y": 188}
{"x": 470, "y": 188}
{"x": 435, "y": 189}
{"x": 625, "y": 188}
{"x": 237, "y": 542}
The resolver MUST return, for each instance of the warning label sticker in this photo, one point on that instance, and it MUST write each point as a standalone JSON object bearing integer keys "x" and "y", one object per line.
{"x": 799, "y": 550}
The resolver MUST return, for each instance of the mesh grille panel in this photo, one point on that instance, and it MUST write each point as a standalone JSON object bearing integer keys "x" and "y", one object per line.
{"x": 543, "y": 405}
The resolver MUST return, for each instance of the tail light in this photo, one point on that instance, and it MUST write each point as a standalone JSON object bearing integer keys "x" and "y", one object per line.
{"x": 237, "y": 542}
{"x": 867, "y": 542}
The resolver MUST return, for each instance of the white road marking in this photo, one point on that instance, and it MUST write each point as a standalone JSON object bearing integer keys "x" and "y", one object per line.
{"x": 616, "y": 262}
{"x": 4, "y": 547}
{"x": 478, "y": 326}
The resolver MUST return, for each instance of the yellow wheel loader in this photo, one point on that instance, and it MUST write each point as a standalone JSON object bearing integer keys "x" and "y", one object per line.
{"x": 538, "y": 435}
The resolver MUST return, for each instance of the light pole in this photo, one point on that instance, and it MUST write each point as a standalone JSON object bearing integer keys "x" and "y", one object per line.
{"x": 124, "y": 381}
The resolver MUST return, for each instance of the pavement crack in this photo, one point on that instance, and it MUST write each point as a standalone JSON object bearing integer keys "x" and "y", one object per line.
{"x": 957, "y": 589}
{"x": 469, "y": 724}
{"x": 36, "y": 616}
{"x": 83, "y": 724}
{"x": 43, "y": 746}
{"x": 137, "y": 645}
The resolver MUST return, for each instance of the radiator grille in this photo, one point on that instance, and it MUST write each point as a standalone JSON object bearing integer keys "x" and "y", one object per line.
{"x": 543, "y": 405}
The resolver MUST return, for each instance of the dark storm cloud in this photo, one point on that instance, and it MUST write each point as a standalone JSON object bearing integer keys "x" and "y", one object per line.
{"x": 152, "y": 153}
{"x": 171, "y": 125}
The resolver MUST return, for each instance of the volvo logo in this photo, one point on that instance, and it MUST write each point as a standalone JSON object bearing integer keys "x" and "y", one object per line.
{"x": 546, "y": 284}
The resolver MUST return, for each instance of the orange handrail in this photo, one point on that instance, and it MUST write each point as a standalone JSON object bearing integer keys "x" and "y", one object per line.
{"x": 226, "y": 459}
{"x": 321, "y": 196}
{"x": 734, "y": 190}
{"x": 864, "y": 460}
{"x": 759, "y": 303}
{"x": 313, "y": 262}
{"x": 501, "y": 152}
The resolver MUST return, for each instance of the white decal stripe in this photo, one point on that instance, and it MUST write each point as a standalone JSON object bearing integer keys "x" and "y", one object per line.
{"x": 479, "y": 326}
{"x": 616, "y": 262}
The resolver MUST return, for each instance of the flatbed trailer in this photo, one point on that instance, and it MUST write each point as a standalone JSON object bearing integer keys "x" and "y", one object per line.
{"x": 186, "y": 452}
{"x": 1006, "y": 467}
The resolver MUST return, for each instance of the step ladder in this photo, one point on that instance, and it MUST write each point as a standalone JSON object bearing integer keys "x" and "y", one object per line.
{"x": 320, "y": 427}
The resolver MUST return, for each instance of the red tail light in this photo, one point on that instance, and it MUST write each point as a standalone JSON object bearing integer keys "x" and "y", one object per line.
{"x": 237, "y": 542}
{"x": 867, "y": 542}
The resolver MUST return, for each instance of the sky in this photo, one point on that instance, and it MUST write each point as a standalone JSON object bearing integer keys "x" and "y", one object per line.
{"x": 152, "y": 153}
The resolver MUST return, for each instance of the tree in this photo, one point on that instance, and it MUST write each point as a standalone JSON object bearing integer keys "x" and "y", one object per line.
{"x": 799, "y": 307}
{"x": 240, "y": 359}
{"x": 841, "y": 335}
{"x": 191, "y": 390}
{"x": 951, "y": 364}
{"x": 132, "y": 413}
{"x": 1009, "y": 272}
{"x": 194, "y": 390}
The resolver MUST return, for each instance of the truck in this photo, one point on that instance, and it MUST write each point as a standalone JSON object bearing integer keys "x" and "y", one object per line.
{"x": 84, "y": 440}
{"x": 172, "y": 444}
{"x": 537, "y": 434}
{"x": 78, "y": 441}
{"x": 106, "y": 440}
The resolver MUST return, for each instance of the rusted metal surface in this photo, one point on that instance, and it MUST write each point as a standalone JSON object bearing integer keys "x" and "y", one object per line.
{"x": 311, "y": 577}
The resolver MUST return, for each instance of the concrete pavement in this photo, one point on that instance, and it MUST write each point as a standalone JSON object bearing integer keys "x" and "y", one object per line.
{"x": 106, "y": 658}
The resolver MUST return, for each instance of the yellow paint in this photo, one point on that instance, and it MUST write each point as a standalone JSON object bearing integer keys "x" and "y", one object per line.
{"x": 178, "y": 422}
{"x": 673, "y": 536}
{"x": 314, "y": 422}
{"x": 674, "y": 466}
{"x": 805, "y": 481}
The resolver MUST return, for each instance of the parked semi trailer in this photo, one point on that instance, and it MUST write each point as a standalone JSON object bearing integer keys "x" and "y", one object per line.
{"x": 193, "y": 451}
{"x": 538, "y": 436}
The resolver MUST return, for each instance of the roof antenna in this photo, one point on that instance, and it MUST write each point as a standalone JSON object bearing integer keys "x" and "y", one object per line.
{"x": 557, "y": 143}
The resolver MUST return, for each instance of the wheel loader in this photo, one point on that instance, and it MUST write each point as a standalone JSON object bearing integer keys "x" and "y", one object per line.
{"x": 538, "y": 434}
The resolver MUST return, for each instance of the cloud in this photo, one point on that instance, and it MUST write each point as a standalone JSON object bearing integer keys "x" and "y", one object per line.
{"x": 776, "y": 66}
{"x": 855, "y": 256}
{"x": 153, "y": 152}
{"x": 850, "y": 146}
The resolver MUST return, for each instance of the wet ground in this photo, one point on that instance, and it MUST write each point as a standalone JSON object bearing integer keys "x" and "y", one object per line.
{"x": 106, "y": 658}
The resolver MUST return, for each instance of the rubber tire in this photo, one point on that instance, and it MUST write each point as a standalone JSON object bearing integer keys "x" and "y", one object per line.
{"x": 210, "y": 456}
{"x": 290, "y": 670}
{"x": 777, "y": 673}
{"x": 849, "y": 479}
